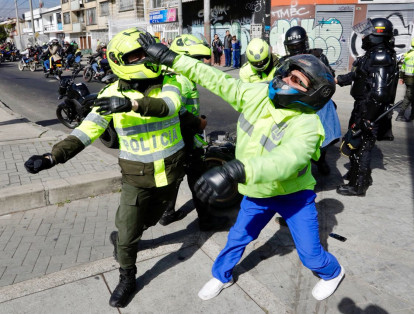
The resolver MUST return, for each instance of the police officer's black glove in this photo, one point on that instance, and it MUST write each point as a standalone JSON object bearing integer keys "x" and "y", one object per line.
{"x": 351, "y": 141}
{"x": 38, "y": 163}
{"x": 219, "y": 181}
{"x": 113, "y": 104}
{"x": 157, "y": 52}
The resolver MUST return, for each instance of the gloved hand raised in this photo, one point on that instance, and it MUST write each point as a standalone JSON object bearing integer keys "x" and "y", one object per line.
{"x": 38, "y": 163}
{"x": 108, "y": 105}
{"x": 219, "y": 181}
{"x": 157, "y": 52}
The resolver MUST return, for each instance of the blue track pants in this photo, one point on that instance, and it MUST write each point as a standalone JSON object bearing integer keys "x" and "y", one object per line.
{"x": 299, "y": 211}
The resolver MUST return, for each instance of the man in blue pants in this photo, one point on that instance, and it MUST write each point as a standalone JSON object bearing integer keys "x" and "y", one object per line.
{"x": 278, "y": 133}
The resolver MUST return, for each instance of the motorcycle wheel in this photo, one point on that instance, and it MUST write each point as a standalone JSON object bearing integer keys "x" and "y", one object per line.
{"x": 110, "y": 138}
{"x": 67, "y": 116}
{"x": 32, "y": 66}
{"x": 20, "y": 66}
{"x": 87, "y": 74}
{"x": 234, "y": 197}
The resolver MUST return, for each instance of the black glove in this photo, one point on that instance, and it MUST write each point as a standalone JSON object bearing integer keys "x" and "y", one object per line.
{"x": 113, "y": 104}
{"x": 157, "y": 53}
{"x": 219, "y": 181}
{"x": 38, "y": 163}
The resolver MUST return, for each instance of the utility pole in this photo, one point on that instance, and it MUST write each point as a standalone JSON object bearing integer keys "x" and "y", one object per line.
{"x": 207, "y": 31}
{"x": 19, "y": 46}
{"x": 31, "y": 12}
{"x": 180, "y": 17}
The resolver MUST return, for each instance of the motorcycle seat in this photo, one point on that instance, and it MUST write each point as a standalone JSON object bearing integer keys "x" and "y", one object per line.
{"x": 91, "y": 96}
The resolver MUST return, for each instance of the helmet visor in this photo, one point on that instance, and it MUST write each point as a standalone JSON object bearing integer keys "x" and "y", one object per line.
{"x": 364, "y": 28}
{"x": 202, "y": 38}
{"x": 261, "y": 63}
{"x": 136, "y": 56}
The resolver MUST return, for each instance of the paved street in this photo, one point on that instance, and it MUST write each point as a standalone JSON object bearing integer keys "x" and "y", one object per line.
{"x": 57, "y": 257}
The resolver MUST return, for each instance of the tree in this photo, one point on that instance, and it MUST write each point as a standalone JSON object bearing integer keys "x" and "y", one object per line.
{"x": 3, "y": 33}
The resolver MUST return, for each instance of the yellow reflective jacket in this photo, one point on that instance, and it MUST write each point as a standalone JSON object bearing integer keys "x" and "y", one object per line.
{"x": 144, "y": 141}
{"x": 275, "y": 145}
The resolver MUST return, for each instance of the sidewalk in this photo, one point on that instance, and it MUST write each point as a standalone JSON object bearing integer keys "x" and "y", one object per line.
{"x": 56, "y": 258}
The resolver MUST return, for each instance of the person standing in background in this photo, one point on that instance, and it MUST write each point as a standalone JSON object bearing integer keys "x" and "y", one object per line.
{"x": 217, "y": 49}
{"x": 227, "y": 49}
{"x": 235, "y": 47}
{"x": 407, "y": 77}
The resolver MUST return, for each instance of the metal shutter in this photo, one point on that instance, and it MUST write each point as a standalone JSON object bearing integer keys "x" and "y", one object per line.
{"x": 333, "y": 28}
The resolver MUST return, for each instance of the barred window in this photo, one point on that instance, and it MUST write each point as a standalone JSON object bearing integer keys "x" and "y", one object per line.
{"x": 66, "y": 18}
{"x": 104, "y": 6}
{"x": 91, "y": 16}
{"x": 125, "y": 5}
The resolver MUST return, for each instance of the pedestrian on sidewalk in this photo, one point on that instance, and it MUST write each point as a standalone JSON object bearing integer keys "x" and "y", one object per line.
{"x": 144, "y": 106}
{"x": 278, "y": 133}
{"x": 235, "y": 48}
{"x": 217, "y": 49}
{"x": 407, "y": 77}
{"x": 374, "y": 80}
{"x": 227, "y": 49}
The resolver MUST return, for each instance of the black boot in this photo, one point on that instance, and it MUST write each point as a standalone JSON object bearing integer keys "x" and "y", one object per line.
{"x": 113, "y": 238}
{"x": 125, "y": 288}
{"x": 171, "y": 216}
{"x": 349, "y": 190}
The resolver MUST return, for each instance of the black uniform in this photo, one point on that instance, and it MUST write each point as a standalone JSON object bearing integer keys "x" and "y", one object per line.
{"x": 374, "y": 79}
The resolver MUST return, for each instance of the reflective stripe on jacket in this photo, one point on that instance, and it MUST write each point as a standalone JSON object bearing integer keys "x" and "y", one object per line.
{"x": 275, "y": 145}
{"x": 142, "y": 139}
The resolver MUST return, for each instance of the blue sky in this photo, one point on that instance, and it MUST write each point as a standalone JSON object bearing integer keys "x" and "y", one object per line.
{"x": 7, "y": 8}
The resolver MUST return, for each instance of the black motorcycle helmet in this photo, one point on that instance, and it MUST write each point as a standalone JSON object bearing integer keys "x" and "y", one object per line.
{"x": 318, "y": 93}
{"x": 374, "y": 32}
{"x": 296, "y": 41}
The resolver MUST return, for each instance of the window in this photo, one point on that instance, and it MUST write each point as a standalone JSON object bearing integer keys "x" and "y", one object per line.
{"x": 65, "y": 1}
{"x": 86, "y": 1}
{"x": 91, "y": 16}
{"x": 66, "y": 18}
{"x": 159, "y": 3}
{"x": 50, "y": 19}
{"x": 125, "y": 5}
{"x": 58, "y": 18}
{"x": 104, "y": 8}
{"x": 80, "y": 16}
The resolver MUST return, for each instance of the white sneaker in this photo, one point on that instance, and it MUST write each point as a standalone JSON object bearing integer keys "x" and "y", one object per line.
{"x": 324, "y": 288}
{"x": 212, "y": 288}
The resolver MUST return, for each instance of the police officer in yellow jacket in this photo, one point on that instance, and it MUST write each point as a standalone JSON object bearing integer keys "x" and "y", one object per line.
{"x": 278, "y": 133}
{"x": 407, "y": 77}
{"x": 261, "y": 63}
{"x": 143, "y": 105}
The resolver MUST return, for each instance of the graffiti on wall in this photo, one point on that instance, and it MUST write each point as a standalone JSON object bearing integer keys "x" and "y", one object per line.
{"x": 236, "y": 18}
{"x": 325, "y": 34}
{"x": 403, "y": 31}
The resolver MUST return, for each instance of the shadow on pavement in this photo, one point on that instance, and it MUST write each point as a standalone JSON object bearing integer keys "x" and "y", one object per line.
{"x": 14, "y": 121}
{"x": 48, "y": 122}
{"x": 348, "y": 306}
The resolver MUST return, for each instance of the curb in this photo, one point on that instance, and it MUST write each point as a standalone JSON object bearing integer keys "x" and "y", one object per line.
{"x": 34, "y": 195}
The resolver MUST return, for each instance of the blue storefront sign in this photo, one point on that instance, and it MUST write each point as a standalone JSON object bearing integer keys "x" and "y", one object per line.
{"x": 163, "y": 16}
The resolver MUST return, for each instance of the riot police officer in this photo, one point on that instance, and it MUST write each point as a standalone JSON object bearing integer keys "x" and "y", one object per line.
{"x": 374, "y": 79}
{"x": 296, "y": 43}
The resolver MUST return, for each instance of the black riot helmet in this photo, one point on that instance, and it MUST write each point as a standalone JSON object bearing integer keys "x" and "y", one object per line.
{"x": 374, "y": 32}
{"x": 320, "y": 89}
{"x": 296, "y": 41}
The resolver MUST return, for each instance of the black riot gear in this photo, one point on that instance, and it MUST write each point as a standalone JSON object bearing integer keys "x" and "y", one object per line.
{"x": 296, "y": 41}
{"x": 374, "y": 79}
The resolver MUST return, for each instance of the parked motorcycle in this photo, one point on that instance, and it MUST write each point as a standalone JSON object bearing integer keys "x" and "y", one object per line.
{"x": 89, "y": 73}
{"x": 77, "y": 104}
